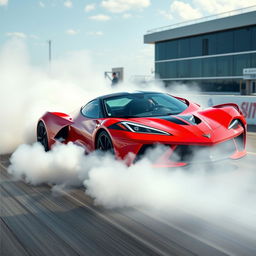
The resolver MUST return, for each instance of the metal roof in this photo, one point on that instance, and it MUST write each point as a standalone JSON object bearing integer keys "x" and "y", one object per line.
{"x": 194, "y": 28}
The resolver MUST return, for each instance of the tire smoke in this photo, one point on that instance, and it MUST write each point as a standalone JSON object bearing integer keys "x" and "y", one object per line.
{"x": 27, "y": 92}
{"x": 215, "y": 192}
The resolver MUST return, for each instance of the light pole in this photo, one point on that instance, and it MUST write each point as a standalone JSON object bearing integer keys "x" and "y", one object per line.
{"x": 50, "y": 51}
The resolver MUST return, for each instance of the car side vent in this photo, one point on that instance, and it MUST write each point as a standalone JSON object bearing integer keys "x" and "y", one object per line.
{"x": 191, "y": 119}
{"x": 197, "y": 120}
{"x": 62, "y": 134}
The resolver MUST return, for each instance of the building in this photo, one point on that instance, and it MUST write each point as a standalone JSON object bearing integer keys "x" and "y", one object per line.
{"x": 210, "y": 54}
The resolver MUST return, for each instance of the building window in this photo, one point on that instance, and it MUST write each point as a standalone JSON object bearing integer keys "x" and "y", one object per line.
{"x": 209, "y": 67}
{"x": 242, "y": 40}
{"x": 240, "y": 62}
{"x": 205, "y": 46}
{"x": 184, "y": 48}
{"x": 253, "y": 38}
{"x": 225, "y": 66}
{"x": 196, "y": 68}
{"x": 224, "y": 42}
{"x": 160, "y": 70}
{"x": 184, "y": 68}
{"x": 253, "y": 60}
{"x": 171, "y": 69}
{"x": 171, "y": 50}
{"x": 195, "y": 46}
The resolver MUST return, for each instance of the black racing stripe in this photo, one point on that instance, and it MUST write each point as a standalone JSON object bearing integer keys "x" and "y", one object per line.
{"x": 173, "y": 120}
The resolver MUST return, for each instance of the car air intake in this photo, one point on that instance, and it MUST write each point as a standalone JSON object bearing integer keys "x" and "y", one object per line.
{"x": 192, "y": 119}
{"x": 195, "y": 153}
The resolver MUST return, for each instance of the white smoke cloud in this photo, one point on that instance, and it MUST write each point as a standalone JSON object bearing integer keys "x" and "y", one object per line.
{"x": 61, "y": 166}
{"x": 213, "y": 193}
{"x": 26, "y": 92}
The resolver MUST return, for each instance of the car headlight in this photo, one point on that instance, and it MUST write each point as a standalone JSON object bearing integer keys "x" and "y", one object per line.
{"x": 140, "y": 128}
{"x": 234, "y": 124}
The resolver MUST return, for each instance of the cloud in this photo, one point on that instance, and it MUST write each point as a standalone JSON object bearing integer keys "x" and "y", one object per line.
{"x": 185, "y": 11}
{"x": 96, "y": 33}
{"x": 219, "y": 6}
{"x": 100, "y": 17}
{"x": 17, "y": 35}
{"x": 68, "y": 4}
{"x": 166, "y": 14}
{"x": 41, "y": 4}
{"x": 127, "y": 16}
{"x": 72, "y": 32}
{"x": 118, "y": 6}
{"x": 182, "y": 10}
{"x": 3, "y": 2}
{"x": 34, "y": 37}
{"x": 89, "y": 7}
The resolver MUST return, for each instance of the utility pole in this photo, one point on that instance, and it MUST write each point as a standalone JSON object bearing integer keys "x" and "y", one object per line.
{"x": 50, "y": 51}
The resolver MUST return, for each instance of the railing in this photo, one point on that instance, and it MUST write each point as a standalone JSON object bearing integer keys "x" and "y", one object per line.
{"x": 207, "y": 18}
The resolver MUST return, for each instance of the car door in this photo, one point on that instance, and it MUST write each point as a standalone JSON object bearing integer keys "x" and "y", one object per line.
{"x": 86, "y": 123}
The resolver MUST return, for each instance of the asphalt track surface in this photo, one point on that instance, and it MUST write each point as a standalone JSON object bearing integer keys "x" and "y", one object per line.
{"x": 36, "y": 221}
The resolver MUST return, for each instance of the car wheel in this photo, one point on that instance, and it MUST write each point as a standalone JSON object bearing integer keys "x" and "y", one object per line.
{"x": 104, "y": 143}
{"x": 42, "y": 135}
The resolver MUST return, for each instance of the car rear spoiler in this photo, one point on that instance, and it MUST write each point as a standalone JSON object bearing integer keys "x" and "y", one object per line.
{"x": 228, "y": 105}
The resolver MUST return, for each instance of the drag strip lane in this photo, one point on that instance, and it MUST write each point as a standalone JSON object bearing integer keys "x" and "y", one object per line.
{"x": 50, "y": 225}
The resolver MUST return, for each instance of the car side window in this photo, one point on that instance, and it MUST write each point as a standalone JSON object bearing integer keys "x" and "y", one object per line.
{"x": 92, "y": 109}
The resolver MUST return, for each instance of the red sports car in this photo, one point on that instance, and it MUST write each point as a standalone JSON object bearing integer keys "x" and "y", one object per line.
{"x": 124, "y": 123}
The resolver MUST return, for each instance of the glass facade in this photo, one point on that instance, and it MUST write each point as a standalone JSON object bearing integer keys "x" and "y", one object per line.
{"x": 195, "y": 58}
{"x": 206, "y": 67}
{"x": 236, "y": 40}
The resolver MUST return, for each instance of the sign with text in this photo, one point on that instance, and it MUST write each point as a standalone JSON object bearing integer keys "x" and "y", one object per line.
{"x": 249, "y": 73}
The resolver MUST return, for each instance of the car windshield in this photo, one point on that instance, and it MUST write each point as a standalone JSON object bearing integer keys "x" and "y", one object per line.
{"x": 143, "y": 105}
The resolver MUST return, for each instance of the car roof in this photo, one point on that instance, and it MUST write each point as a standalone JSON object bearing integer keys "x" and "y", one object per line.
{"x": 125, "y": 93}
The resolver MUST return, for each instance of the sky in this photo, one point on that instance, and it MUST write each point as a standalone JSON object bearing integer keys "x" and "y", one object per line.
{"x": 111, "y": 31}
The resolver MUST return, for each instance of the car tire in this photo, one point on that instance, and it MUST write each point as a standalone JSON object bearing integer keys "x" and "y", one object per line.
{"x": 104, "y": 143}
{"x": 42, "y": 135}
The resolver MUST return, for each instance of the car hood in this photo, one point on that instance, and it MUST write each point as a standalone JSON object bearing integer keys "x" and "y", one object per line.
{"x": 211, "y": 124}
